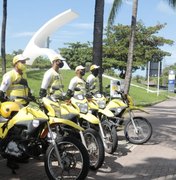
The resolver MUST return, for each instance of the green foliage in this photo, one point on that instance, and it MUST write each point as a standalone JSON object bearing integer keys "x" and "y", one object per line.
{"x": 147, "y": 46}
{"x": 9, "y": 59}
{"x": 142, "y": 98}
{"x": 41, "y": 63}
{"x": 77, "y": 54}
{"x": 166, "y": 69}
{"x": 165, "y": 73}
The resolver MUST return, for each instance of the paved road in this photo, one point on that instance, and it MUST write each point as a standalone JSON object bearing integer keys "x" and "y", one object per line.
{"x": 154, "y": 160}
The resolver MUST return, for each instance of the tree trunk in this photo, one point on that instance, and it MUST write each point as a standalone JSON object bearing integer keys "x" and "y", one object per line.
{"x": 98, "y": 36}
{"x": 128, "y": 74}
{"x": 3, "y": 37}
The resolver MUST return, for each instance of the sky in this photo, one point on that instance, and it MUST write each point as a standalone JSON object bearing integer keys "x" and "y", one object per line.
{"x": 26, "y": 17}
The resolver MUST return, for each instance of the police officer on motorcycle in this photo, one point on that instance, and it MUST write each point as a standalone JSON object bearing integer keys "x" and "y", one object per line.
{"x": 14, "y": 83}
{"x": 92, "y": 79}
{"x": 52, "y": 77}
{"x": 77, "y": 82}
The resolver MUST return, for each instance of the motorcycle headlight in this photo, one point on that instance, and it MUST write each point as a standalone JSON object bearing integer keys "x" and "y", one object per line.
{"x": 98, "y": 95}
{"x": 79, "y": 96}
{"x": 35, "y": 123}
{"x": 83, "y": 107}
{"x": 101, "y": 104}
{"x": 90, "y": 111}
{"x": 119, "y": 110}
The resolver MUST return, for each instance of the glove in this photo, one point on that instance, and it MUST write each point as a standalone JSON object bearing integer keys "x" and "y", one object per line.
{"x": 42, "y": 93}
{"x": 69, "y": 93}
{"x": 2, "y": 96}
{"x": 87, "y": 86}
{"x": 31, "y": 96}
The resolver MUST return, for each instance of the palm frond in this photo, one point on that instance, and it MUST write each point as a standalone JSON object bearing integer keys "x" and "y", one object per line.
{"x": 114, "y": 10}
{"x": 172, "y": 3}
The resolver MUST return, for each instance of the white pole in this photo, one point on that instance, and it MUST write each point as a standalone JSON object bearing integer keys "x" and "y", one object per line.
{"x": 158, "y": 78}
{"x": 148, "y": 76}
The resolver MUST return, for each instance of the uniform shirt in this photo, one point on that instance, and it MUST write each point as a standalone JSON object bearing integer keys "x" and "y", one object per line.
{"x": 13, "y": 86}
{"x": 79, "y": 83}
{"x": 51, "y": 78}
{"x": 93, "y": 83}
{"x": 9, "y": 78}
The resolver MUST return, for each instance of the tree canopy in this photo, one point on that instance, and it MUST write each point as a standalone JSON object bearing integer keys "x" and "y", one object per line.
{"x": 77, "y": 54}
{"x": 147, "y": 46}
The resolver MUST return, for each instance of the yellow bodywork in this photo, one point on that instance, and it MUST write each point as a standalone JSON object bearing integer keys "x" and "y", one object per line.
{"x": 106, "y": 112}
{"x": 90, "y": 118}
{"x": 61, "y": 108}
{"x": 24, "y": 114}
{"x": 53, "y": 120}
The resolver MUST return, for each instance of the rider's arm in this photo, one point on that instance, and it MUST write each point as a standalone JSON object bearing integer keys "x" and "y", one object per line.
{"x": 90, "y": 82}
{"x": 45, "y": 84}
{"x": 71, "y": 87}
{"x": 73, "y": 84}
{"x": 46, "y": 80}
{"x": 6, "y": 82}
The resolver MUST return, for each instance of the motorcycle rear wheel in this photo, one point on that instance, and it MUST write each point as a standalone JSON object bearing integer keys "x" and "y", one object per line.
{"x": 144, "y": 130}
{"x": 75, "y": 160}
{"x": 111, "y": 137}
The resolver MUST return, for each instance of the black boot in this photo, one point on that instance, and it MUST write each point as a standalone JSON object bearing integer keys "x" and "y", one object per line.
{"x": 12, "y": 165}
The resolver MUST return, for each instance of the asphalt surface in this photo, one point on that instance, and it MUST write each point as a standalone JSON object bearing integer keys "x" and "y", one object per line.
{"x": 154, "y": 160}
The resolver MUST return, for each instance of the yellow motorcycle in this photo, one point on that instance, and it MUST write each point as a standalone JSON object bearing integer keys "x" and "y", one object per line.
{"x": 97, "y": 106}
{"x": 137, "y": 129}
{"x": 89, "y": 108}
{"x": 26, "y": 132}
{"x": 56, "y": 106}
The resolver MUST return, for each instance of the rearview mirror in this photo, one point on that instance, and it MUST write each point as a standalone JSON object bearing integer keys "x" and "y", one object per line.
{"x": 57, "y": 87}
{"x": 77, "y": 89}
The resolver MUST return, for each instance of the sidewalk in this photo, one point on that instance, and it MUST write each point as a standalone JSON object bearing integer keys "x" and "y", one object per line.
{"x": 155, "y": 160}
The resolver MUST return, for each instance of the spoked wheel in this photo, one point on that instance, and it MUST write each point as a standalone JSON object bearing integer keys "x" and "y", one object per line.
{"x": 141, "y": 134}
{"x": 74, "y": 158}
{"x": 95, "y": 148}
{"x": 111, "y": 137}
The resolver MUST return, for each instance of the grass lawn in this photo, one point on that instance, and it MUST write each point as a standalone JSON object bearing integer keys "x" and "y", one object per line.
{"x": 140, "y": 96}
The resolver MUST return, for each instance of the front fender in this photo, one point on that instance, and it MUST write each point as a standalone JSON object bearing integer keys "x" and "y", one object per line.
{"x": 137, "y": 109}
{"x": 54, "y": 120}
{"x": 90, "y": 118}
{"x": 106, "y": 112}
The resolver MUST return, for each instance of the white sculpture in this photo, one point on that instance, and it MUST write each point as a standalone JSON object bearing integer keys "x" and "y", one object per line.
{"x": 36, "y": 46}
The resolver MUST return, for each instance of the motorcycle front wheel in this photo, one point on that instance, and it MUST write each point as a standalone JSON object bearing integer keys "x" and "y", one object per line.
{"x": 143, "y": 133}
{"x": 95, "y": 148}
{"x": 74, "y": 158}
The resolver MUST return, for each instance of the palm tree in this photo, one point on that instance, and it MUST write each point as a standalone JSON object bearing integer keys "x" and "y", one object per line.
{"x": 3, "y": 35}
{"x": 98, "y": 36}
{"x": 115, "y": 7}
{"x": 172, "y": 3}
{"x": 128, "y": 73}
